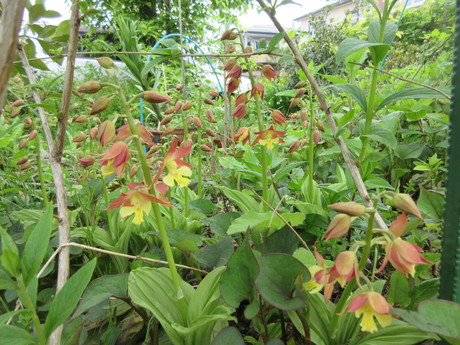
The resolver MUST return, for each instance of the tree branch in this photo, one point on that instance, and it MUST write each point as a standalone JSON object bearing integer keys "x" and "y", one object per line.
{"x": 354, "y": 170}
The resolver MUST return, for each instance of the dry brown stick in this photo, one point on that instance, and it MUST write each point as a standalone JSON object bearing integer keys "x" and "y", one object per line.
{"x": 10, "y": 25}
{"x": 354, "y": 170}
{"x": 402, "y": 78}
{"x": 104, "y": 251}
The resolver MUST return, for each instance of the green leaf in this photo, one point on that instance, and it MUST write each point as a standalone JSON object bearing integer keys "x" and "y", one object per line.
{"x": 237, "y": 282}
{"x": 354, "y": 91}
{"x": 35, "y": 12}
{"x": 282, "y": 241}
{"x": 100, "y": 290}
{"x": 287, "y": 93}
{"x": 284, "y": 171}
{"x": 399, "y": 290}
{"x": 279, "y": 279}
{"x": 377, "y": 182}
{"x": 244, "y": 201}
{"x": 6, "y": 283}
{"x": 374, "y": 32}
{"x": 436, "y": 316}
{"x": 12, "y": 335}
{"x": 305, "y": 257}
{"x": 36, "y": 246}
{"x": 248, "y": 220}
{"x": 431, "y": 204}
{"x": 411, "y": 93}
{"x": 152, "y": 63}
{"x": 221, "y": 222}
{"x": 204, "y": 206}
{"x": 216, "y": 254}
{"x": 275, "y": 40}
{"x": 352, "y": 45}
{"x": 11, "y": 314}
{"x": 51, "y": 14}
{"x": 62, "y": 32}
{"x": 10, "y": 254}
{"x": 425, "y": 290}
{"x": 406, "y": 151}
{"x": 67, "y": 298}
{"x": 262, "y": 44}
{"x": 382, "y": 135}
{"x": 228, "y": 336}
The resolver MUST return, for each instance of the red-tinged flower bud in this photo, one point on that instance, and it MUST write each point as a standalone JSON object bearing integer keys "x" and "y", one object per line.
{"x": 98, "y": 120}
{"x": 210, "y": 132}
{"x": 300, "y": 92}
{"x": 15, "y": 112}
{"x": 196, "y": 122}
{"x": 210, "y": 117}
{"x": 166, "y": 120}
{"x": 22, "y": 160}
{"x": 168, "y": 130}
{"x": 258, "y": 90}
{"x": 316, "y": 137}
{"x": 278, "y": 117}
{"x": 294, "y": 103}
{"x": 229, "y": 65}
{"x": 106, "y": 132}
{"x": 152, "y": 150}
{"x": 90, "y": 87}
{"x": 233, "y": 85}
{"x": 230, "y": 48}
{"x": 338, "y": 227}
{"x": 26, "y": 165}
{"x": 294, "y": 146}
{"x": 303, "y": 116}
{"x": 320, "y": 125}
{"x": 27, "y": 121}
{"x": 240, "y": 111}
{"x": 351, "y": 208}
{"x": 133, "y": 171}
{"x": 205, "y": 148}
{"x": 105, "y": 62}
{"x": 242, "y": 98}
{"x": 208, "y": 101}
{"x": 300, "y": 84}
{"x": 303, "y": 142}
{"x": 294, "y": 116}
{"x": 177, "y": 106}
{"x": 154, "y": 97}
{"x": 248, "y": 50}
{"x": 187, "y": 106}
{"x": 399, "y": 225}
{"x": 93, "y": 133}
{"x": 269, "y": 72}
{"x": 235, "y": 72}
{"x": 75, "y": 106}
{"x": 186, "y": 143}
{"x": 168, "y": 99}
{"x": 179, "y": 87}
{"x": 87, "y": 161}
{"x": 229, "y": 35}
{"x": 32, "y": 135}
{"x": 79, "y": 138}
{"x": 17, "y": 103}
{"x": 22, "y": 143}
{"x": 213, "y": 94}
{"x": 404, "y": 203}
{"x": 80, "y": 119}
{"x": 169, "y": 110}
{"x": 196, "y": 84}
{"x": 101, "y": 104}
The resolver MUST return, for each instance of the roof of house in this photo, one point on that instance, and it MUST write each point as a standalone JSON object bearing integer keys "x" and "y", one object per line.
{"x": 262, "y": 29}
{"x": 336, "y": 3}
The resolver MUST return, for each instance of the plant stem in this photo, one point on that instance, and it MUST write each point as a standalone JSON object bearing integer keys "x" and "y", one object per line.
{"x": 186, "y": 196}
{"x": 27, "y": 302}
{"x": 310, "y": 146}
{"x": 369, "y": 115}
{"x": 40, "y": 171}
{"x": 200, "y": 152}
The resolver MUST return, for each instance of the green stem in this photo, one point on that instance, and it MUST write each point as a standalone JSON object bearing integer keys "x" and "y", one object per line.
{"x": 109, "y": 215}
{"x": 200, "y": 152}
{"x": 148, "y": 179}
{"x": 27, "y": 302}
{"x": 186, "y": 196}
{"x": 40, "y": 171}
{"x": 311, "y": 146}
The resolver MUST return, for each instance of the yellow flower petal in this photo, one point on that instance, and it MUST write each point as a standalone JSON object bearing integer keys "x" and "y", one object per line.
{"x": 185, "y": 171}
{"x": 169, "y": 180}
{"x": 138, "y": 216}
{"x": 108, "y": 169}
{"x": 367, "y": 323}
{"x": 126, "y": 211}
{"x": 384, "y": 320}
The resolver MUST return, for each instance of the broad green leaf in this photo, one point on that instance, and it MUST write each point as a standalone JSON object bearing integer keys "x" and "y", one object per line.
{"x": 374, "y": 32}
{"x": 278, "y": 281}
{"x": 10, "y": 254}
{"x": 383, "y": 135}
{"x": 6, "y": 283}
{"x": 221, "y": 222}
{"x": 377, "y": 182}
{"x": 275, "y": 342}
{"x": 287, "y": 93}
{"x": 431, "y": 204}
{"x": 152, "y": 63}
{"x": 67, "y": 298}
{"x": 411, "y": 93}
{"x": 228, "y": 336}
{"x": 283, "y": 241}
{"x": 244, "y": 201}
{"x": 100, "y": 290}
{"x": 204, "y": 206}
{"x": 425, "y": 290}
{"x": 216, "y": 254}
{"x": 305, "y": 257}
{"x": 36, "y": 246}
{"x": 275, "y": 40}
{"x": 436, "y": 316}
{"x": 352, "y": 45}
{"x": 406, "y": 151}
{"x": 284, "y": 171}
{"x": 262, "y": 44}
{"x": 13, "y": 335}
{"x": 11, "y": 314}
{"x": 355, "y": 92}
{"x": 237, "y": 282}
{"x": 62, "y": 32}
{"x": 248, "y": 220}
{"x": 51, "y": 14}
{"x": 35, "y": 12}
{"x": 346, "y": 118}
{"x": 399, "y": 290}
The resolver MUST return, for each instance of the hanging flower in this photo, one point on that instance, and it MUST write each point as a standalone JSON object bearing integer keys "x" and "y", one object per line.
{"x": 106, "y": 132}
{"x": 177, "y": 168}
{"x": 115, "y": 159}
{"x": 137, "y": 201}
{"x": 240, "y": 111}
{"x": 233, "y": 85}
{"x": 278, "y": 117}
{"x": 242, "y": 135}
{"x": 321, "y": 278}
{"x": 258, "y": 90}
{"x": 371, "y": 305}
{"x": 345, "y": 268}
{"x": 338, "y": 226}
{"x": 269, "y": 137}
{"x": 125, "y": 132}
{"x": 269, "y": 72}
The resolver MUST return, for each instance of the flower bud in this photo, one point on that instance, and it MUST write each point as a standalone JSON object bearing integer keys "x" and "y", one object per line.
{"x": 17, "y": 103}
{"x": 242, "y": 98}
{"x": 93, "y": 133}
{"x": 338, "y": 227}
{"x": 133, "y": 171}
{"x": 169, "y": 110}
{"x": 166, "y": 120}
{"x": 90, "y": 87}
{"x": 177, "y": 106}
{"x": 305, "y": 124}
{"x": 32, "y": 135}
{"x": 106, "y": 132}
{"x": 27, "y": 121}
{"x": 98, "y": 120}
{"x": 278, "y": 117}
{"x": 187, "y": 106}
{"x": 213, "y": 94}
{"x": 351, "y": 208}
{"x": 294, "y": 103}
{"x": 269, "y": 72}
{"x": 75, "y": 106}
{"x": 303, "y": 116}
{"x": 105, "y": 62}
{"x": 399, "y": 225}
{"x": 230, "y": 48}
{"x": 154, "y": 97}
{"x": 235, "y": 72}
{"x": 229, "y": 65}
{"x": 248, "y": 50}
{"x": 22, "y": 160}
{"x": 210, "y": 132}
{"x": 79, "y": 138}
{"x": 86, "y": 161}
{"x": 300, "y": 92}
{"x": 196, "y": 122}
{"x": 210, "y": 117}
{"x": 240, "y": 111}
{"x": 205, "y": 148}
{"x": 300, "y": 84}
{"x": 79, "y": 119}
{"x": 26, "y": 165}
{"x": 233, "y": 85}
{"x": 229, "y": 35}
{"x": 100, "y": 105}
{"x": 168, "y": 130}
{"x": 15, "y": 112}
{"x": 404, "y": 203}
{"x": 316, "y": 137}
{"x": 320, "y": 125}
{"x": 206, "y": 100}
{"x": 294, "y": 146}
{"x": 22, "y": 143}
